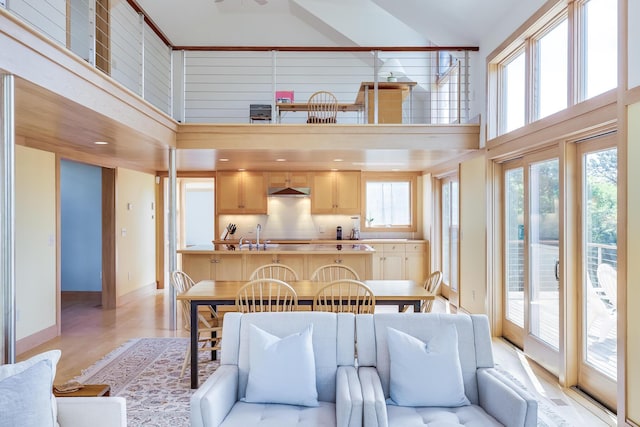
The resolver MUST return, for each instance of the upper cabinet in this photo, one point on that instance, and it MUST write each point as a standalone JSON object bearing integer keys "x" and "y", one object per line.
{"x": 289, "y": 179}
{"x": 335, "y": 193}
{"x": 241, "y": 192}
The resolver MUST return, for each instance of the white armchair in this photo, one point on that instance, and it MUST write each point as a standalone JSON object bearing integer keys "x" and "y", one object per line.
{"x": 222, "y": 400}
{"x": 484, "y": 398}
{"x": 92, "y": 411}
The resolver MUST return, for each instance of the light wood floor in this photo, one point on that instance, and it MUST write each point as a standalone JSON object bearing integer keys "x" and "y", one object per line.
{"x": 89, "y": 333}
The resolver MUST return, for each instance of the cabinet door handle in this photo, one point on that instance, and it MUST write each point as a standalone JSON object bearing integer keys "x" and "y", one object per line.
{"x": 338, "y": 261}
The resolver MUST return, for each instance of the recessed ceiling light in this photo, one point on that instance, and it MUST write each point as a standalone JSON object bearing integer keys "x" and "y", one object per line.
{"x": 241, "y": 169}
{"x": 334, "y": 170}
{"x": 337, "y": 160}
{"x": 281, "y": 160}
{"x": 223, "y": 160}
{"x": 101, "y": 143}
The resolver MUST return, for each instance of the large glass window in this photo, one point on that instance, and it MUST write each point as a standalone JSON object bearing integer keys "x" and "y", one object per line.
{"x": 600, "y": 18}
{"x": 551, "y": 71}
{"x": 533, "y": 78}
{"x": 513, "y": 99}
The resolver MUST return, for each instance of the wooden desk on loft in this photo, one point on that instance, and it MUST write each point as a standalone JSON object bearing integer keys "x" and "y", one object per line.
{"x": 391, "y": 95}
{"x": 304, "y": 106}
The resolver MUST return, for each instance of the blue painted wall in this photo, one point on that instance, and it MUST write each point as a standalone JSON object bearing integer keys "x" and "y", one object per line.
{"x": 81, "y": 223}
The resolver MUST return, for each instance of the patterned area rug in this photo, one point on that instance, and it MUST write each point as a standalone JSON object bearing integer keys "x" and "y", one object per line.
{"x": 146, "y": 372}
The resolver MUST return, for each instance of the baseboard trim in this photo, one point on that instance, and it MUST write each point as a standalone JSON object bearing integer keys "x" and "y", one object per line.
{"x": 136, "y": 293}
{"x": 92, "y": 296}
{"x": 34, "y": 340}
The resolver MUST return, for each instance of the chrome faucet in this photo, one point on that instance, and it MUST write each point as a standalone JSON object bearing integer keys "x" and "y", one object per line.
{"x": 258, "y": 228}
{"x": 240, "y": 242}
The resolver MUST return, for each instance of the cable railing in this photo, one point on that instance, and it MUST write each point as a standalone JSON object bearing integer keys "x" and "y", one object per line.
{"x": 596, "y": 254}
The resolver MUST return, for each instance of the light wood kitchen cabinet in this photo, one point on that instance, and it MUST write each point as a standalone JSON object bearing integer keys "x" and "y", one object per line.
{"x": 399, "y": 261}
{"x": 415, "y": 266}
{"x": 289, "y": 179}
{"x": 241, "y": 192}
{"x": 296, "y": 262}
{"x": 335, "y": 193}
{"x": 212, "y": 267}
{"x": 357, "y": 262}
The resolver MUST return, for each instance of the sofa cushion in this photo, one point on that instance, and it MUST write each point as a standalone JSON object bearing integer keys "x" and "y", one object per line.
{"x": 281, "y": 370}
{"x": 25, "y": 397}
{"x": 471, "y": 415}
{"x": 264, "y": 415}
{"x": 425, "y": 374}
{"x": 53, "y": 356}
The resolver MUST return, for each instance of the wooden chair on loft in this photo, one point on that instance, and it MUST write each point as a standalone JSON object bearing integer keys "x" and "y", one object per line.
{"x": 275, "y": 271}
{"x": 209, "y": 328}
{"x": 331, "y": 272}
{"x": 323, "y": 108}
{"x": 345, "y": 296}
{"x": 266, "y": 295}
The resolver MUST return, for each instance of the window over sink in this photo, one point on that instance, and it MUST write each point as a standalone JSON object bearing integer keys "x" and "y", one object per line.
{"x": 390, "y": 201}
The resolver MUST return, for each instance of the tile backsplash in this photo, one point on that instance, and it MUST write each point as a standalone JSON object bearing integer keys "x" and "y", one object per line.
{"x": 290, "y": 218}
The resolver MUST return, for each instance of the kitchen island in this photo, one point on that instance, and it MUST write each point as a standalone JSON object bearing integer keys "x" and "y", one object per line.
{"x": 231, "y": 261}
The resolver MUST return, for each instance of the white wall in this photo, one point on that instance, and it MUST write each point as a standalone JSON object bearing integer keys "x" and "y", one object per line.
{"x": 136, "y": 228}
{"x": 35, "y": 248}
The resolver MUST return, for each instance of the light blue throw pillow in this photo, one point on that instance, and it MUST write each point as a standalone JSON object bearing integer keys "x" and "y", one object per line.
{"x": 281, "y": 370}
{"x": 25, "y": 398}
{"x": 425, "y": 374}
{"x": 53, "y": 356}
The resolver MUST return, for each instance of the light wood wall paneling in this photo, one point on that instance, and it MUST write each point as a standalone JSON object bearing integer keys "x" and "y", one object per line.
{"x": 109, "y": 295}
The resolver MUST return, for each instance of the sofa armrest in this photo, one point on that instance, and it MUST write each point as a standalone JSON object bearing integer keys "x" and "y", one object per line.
{"x": 92, "y": 411}
{"x": 504, "y": 400}
{"x": 211, "y": 403}
{"x": 348, "y": 397}
{"x": 375, "y": 406}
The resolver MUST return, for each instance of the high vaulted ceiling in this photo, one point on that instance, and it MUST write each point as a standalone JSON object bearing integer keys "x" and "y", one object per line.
{"x": 326, "y": 22}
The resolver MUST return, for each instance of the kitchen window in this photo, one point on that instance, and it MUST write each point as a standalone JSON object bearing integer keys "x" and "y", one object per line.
{"x": 390, "y": 201}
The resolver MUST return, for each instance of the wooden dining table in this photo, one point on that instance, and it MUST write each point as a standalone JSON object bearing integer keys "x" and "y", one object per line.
{"x": 215, "y": 293}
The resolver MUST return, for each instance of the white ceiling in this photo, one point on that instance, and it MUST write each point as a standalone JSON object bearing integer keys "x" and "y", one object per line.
{"x": 326, "y": 22}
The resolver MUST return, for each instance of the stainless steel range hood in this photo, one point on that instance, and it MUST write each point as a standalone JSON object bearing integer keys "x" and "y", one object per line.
{"x": 289, "y": 191}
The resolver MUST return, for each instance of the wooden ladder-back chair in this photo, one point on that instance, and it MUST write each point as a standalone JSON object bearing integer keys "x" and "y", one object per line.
{"x": 432, "y": 285}
{"x": 332, "y": 272}
{"x": 209, "y": 330}
{"x": 275, "y": 271}
{"x": 345, "y": 296}
{"x": 323, "y": 108}
{"x": 266, "y": 295}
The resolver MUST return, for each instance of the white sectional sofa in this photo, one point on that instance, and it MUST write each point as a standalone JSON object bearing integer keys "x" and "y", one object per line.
{"x": 438, "y": 371}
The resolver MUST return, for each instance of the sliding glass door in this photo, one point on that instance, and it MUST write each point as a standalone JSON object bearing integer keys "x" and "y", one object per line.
{"x": 531, "y": 260}
{"x": 598, "y": 162}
